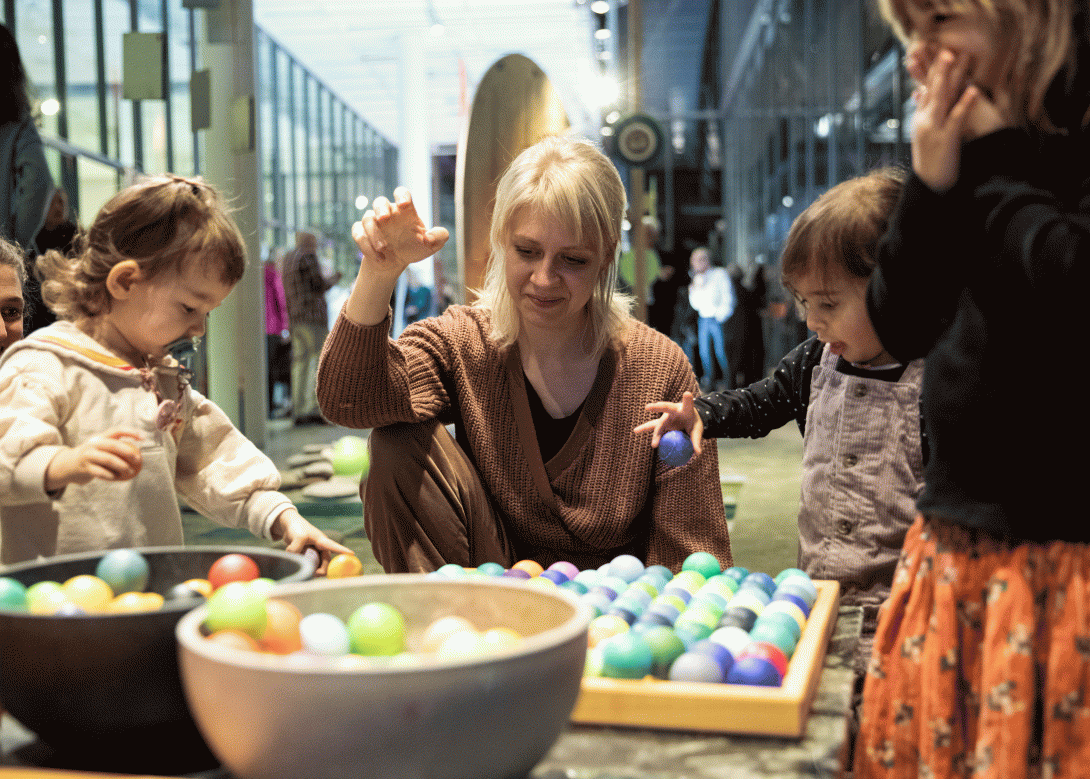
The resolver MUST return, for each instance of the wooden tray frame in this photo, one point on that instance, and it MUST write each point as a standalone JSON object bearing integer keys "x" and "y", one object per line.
{"x": 725, "y": 708}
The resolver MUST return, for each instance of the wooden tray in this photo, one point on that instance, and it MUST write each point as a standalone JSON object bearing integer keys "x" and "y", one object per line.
{"x": 726, "y": 708}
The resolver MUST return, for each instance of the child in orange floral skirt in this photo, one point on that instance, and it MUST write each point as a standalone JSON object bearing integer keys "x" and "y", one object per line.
{"x": 981, "y": 663}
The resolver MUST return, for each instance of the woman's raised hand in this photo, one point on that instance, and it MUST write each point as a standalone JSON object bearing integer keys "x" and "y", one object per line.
{"x": 674, "y": 416}
{"x": 391, "y": 235}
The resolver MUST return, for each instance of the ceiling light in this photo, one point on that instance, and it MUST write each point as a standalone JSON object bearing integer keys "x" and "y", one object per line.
{"x": 50, "y": 106}
{"x": 602, "y": 34}
{"x": 599, "y": 7}
{"x": 361, "y": 202}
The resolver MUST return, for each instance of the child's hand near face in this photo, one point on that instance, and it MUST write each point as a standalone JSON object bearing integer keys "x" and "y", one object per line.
{"x": 675, "y": 416}
{"x": 299, "y": 535}
{"x": 107, "y": 456}
{"x": 949, "y": 112}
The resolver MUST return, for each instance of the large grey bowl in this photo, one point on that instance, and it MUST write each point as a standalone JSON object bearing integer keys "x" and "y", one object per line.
{"x": 486, "y": 718}
{"x": 103, "y": 690}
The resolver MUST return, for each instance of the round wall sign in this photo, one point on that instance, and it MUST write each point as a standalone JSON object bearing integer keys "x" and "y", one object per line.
{"x": 638, "y": 139}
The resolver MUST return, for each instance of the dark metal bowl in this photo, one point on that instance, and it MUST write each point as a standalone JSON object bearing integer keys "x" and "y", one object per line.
{"x": 103, "y": 690}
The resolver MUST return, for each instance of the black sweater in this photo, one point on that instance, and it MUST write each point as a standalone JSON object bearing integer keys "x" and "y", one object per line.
{"x": 988, "y": 282}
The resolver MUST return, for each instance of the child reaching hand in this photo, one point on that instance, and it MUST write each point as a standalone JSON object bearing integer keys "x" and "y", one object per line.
{"x": 857, "y": 407}
{"x": 99, "y": 426}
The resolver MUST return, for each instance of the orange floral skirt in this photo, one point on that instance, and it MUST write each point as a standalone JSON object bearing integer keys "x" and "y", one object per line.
{"x": 981, "y": 662}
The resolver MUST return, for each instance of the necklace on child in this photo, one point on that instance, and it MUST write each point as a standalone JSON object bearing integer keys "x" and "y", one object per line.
{"x": 182, "y": 351}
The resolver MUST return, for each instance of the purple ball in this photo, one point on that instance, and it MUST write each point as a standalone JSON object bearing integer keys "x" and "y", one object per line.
{"x": 516, "y": 573}
{"x": 675, "y": 448}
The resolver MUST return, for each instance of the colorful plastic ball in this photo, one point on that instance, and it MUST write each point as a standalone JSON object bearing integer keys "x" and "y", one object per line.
{"x": 125, "y": 570}
{"x": 12, "y": 594}
{"x": 736, "y": 572}
{"x": 750, "y": 599}
{"x": 787, "y": 607}
{"x": 721, "y": 585}
{"x": 703, "y": 614}
{"x": 349, "y": 456}
{"x": 690, "y": 631}
{"x": 263, "y": 584}
{"x": 710, "y": 600}
{"x": 281, "y": 634}
{"x": 744, "y": 614}
{"x": 769, "y": 652}
{"x": 88, "y": 592}
{"x": 703, "y": 563}
{"x": 235, "y": 640}
{"x": 465, "y": 644}
{"x": 804, "y": 589}
{"x": 625, "y": 566}
{"x": 68, "y": 609}
{"x": 532, "y": 567}
{"x": 627, "y": 615}
{"x": 556, "y": 577}
{"x": 652, "y": 619}
{"x": 666, "y": 610}
{"x": 615, "y": 583}
{"x": 775, "y": 632}
{"x": 721, "y": 654}
{"x": 237, "y": 606}
{"x": 665, "y": 647}
{"x": 232, "y": 567}
{"x": 377, "y": 629}
{"x": 568, "y": 569}
{"x": 442, "y": 628}
{"x": 517, "y": 573}
{"x": 501, "y": 639}
{"x": 734, "y": 639}
{"x": 574, "y": 587}
{"x": 652, "y": 588}
{"x": 604, "y": 627}
{"x": 626, "y": 656}
{"x": 761, "y": 580}
{"x": 589, "y": 577}
{"x": 788, "y": 573}
{"x": 780, "y": 618}
{"x": 541, "y": 581}
{"x": 203, "y": 586}
{"x": 690, "y": 580}
{"x": 324, "y": 634}
{"x": 696, "y": 667}
{"x": 674, "y": 591}
{"x": 135, "y": 603}
{"x": 450, "y": 571}
{"x": 184, "y": 592}
{"x": 754, "y": 671}
{"x": 491, "y": 569}
{"x": 597, "y": 601}
{"x": 44, "y": 597}
{"x": 797, "y": 600}
{"x": 343, "y": 566}
{"x": 675, "y": 448}
{"x": 663, "y": 573}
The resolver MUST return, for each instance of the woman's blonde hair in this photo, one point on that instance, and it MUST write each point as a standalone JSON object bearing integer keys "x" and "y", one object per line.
{"x": 1041, "y": 44}
{"x": 568, "y": 180}
{"x": 161, "y": 223}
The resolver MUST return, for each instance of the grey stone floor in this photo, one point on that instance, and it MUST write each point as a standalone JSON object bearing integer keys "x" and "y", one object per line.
{"x": 763, "y": 531}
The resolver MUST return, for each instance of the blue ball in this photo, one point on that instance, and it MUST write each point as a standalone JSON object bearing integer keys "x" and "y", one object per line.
{"x": 125, "y": 570}
{"x": 721, "y": 654}
{"x": 754, "y": 671}
{"x": 675, "y": 448}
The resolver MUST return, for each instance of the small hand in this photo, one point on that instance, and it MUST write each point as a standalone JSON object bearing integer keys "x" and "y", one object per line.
{"x": 300, "y": 535}
{"x": 392, "y": 236}
{"x": 675, "y": 416}
{"x": 106, "y": 456}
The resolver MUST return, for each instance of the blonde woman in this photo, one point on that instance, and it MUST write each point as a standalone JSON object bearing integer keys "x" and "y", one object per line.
{"x": 543, "y": 378}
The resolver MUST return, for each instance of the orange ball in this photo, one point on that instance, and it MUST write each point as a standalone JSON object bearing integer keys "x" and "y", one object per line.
{"x": 90, "y": 593}
{"x": 343, "y": 566}
{"x": 281, "y": 634}
{"x": 532, "y": 567}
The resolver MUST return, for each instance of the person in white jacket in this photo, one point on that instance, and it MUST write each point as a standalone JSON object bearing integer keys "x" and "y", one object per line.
{"x": 711, "y": 295}
{"x": 99, "y": 427}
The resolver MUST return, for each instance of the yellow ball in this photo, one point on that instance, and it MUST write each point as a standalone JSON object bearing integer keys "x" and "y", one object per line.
{"x": 343, "y": 566}
{"x": 90, "y": 593}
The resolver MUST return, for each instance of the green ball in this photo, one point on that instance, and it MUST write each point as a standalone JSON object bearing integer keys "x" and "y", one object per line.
{"x": 12, "y": 594}
{"x": 377, "y": 629}
{"x": 125, "y": 570}
{"x": 238, "y": 606}
{"x": 350, "y": 456}
{"x": 666, "y": 647}
{"x": 703, "y": 563}
{"x": 626, "y": 656}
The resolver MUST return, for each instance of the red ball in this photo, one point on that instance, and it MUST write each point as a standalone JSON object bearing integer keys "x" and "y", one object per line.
{"x": 232, "y": 568}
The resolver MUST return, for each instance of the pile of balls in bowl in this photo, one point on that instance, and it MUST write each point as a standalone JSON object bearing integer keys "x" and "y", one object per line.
{"x": 118, "y": 587}
{"x": 703, "y": 624}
